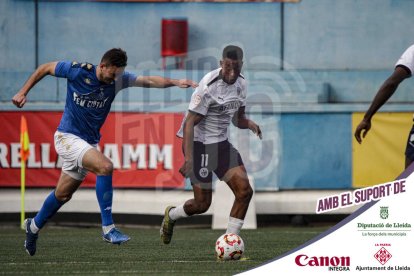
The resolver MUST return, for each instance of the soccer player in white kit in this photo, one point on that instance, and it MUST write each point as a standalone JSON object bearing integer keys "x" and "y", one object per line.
{"x": 404, "y": 68}
{"x": 219, "y": 99}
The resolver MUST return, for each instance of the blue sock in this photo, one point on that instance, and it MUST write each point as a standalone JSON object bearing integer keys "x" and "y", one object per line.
{"x": 49, "y": 208}
{"x": 104, "y": 194}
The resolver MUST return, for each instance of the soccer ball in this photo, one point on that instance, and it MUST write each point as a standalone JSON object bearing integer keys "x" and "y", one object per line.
{"x": 229, "y": 247}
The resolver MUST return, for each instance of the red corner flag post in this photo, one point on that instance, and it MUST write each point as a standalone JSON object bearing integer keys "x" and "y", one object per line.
{"x": 24, "y": 154}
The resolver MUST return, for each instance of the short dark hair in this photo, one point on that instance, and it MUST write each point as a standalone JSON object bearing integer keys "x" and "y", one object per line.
{"x": 115, "y": 57}
{"x": 233, "y": 52}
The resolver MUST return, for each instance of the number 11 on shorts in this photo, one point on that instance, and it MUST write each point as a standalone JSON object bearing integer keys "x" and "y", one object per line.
{"x": 204, "y": 160}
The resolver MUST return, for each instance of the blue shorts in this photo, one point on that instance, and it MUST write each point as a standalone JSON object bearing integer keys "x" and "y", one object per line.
{"x": 218, "y": 158}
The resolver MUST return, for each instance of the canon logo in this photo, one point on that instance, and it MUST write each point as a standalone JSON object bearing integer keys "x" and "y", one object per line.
{"x": 304, "y": 260}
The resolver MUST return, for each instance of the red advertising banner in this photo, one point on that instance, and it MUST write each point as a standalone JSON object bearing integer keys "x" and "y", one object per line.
{"x": 143, "y": 148}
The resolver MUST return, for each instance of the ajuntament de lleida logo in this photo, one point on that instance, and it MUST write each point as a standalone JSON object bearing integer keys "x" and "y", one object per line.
{"x": 384, "y": 212}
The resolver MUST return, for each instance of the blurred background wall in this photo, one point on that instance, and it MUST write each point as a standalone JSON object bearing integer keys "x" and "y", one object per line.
{"x": 309, "y": 35}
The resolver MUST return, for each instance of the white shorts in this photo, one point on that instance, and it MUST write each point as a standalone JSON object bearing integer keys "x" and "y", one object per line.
{"x": 71, "y": 149}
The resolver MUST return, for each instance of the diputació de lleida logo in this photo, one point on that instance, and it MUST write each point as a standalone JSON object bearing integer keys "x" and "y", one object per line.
{"x": 384, "y": 212}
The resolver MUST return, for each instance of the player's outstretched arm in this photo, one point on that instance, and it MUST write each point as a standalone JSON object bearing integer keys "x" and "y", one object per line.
{"x": 161, "y": 82}
{"x": 386, "y": 90}
{"x": 45, "y": 69}
{"x": 239, "y": 120}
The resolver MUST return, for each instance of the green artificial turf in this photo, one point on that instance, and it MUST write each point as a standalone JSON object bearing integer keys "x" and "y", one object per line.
{"x": 191, "y": 252}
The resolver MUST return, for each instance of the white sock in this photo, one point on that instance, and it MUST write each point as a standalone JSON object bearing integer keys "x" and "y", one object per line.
{"x": 177, "y": 212}
{"x": 234, "y": 225}
{"x": 33, "y": 227}
{"x": 108, "y": 228}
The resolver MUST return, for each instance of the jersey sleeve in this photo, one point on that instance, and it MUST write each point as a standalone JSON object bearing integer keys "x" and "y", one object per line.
{"x": 243, "y": 94}
{"x": 407, "y": 60}
{"x": 128, "y": 79}
{"x": 66, "y": 69}
{"x": 200, "y": 101}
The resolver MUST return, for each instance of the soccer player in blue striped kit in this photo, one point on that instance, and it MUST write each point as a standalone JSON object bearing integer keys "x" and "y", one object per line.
{"x": 91, "y": 89}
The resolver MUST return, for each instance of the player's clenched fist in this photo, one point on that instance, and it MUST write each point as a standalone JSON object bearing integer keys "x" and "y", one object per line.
{"x": 19, "y": 100}
{"x": 186, "y": 168}
{"x": 255, "y": 129}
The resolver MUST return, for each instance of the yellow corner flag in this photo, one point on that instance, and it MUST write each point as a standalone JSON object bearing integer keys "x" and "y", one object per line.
{"x": 24, "y": 154}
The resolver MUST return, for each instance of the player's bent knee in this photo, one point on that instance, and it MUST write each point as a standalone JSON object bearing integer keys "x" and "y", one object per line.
{"x": 106, "y": 169}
